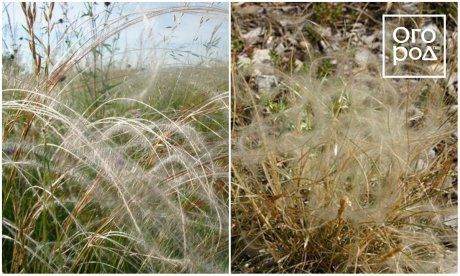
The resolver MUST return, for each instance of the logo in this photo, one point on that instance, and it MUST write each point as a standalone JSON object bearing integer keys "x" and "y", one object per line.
{"x": 414, "y": 46}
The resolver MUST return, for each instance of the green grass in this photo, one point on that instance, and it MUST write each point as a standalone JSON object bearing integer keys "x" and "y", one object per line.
{"x": 112, "y": 170}
{"x": 38, "y": 198}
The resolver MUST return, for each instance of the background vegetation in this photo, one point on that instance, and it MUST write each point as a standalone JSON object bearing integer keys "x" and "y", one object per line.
{"x": 114, "y": 154}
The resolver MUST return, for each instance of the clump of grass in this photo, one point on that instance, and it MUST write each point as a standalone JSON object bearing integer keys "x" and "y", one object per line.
{"x": 103, "y": 172}
{"x": 237, "y": 43}
{"x": 352, "y": 176}
{"x": 327, "y": 13}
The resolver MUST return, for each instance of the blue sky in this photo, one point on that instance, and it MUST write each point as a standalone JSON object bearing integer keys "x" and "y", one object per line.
{"x": 157, "y": 34}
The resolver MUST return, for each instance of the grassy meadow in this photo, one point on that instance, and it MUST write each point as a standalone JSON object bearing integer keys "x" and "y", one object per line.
{"x": 114, "y": 155}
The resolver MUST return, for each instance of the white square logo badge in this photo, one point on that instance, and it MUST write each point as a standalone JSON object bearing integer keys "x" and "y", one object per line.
{"x": 414, "y": 46}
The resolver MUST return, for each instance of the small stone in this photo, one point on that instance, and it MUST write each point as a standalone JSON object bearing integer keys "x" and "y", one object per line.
{"x": 243, "y": 61}
{"x": 270, "y": 42}
{"x": 266, "y": 81}
{"x": 261, "y": 56}
{"x": 291, "y": 39}
{"x": 432, "y": 27}
{"x": 368, "y": 39}
{"x": 253, "y": 36}
{"x": 280, "y": 49}
{"x": 298, "y": 65}
{"x": 358, "y": 28}
{"x": 363, "y": 57}
{"x": 376, "y": 45}
{"x": 263, "y": 69}
{"x": 324, "y": 32}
